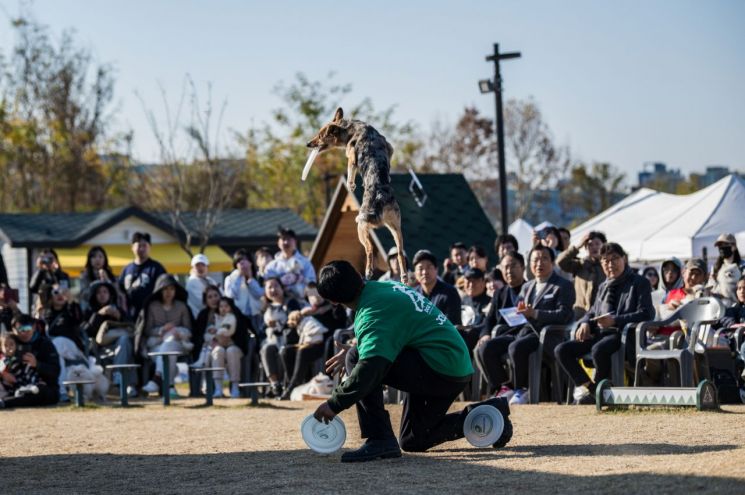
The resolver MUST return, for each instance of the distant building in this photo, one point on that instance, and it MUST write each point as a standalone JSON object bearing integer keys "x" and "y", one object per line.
{"x": 713, "y": 173}
{"x": 656, "y": 174}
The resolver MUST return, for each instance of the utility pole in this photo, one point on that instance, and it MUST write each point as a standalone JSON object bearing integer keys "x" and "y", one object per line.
{"x": 495, "y": 86}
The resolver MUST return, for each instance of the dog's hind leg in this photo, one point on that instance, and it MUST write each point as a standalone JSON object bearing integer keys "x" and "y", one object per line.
{"x": 363, "y": 232}
{"x": 351, "y": 166}
{"x": 392, "y": 220}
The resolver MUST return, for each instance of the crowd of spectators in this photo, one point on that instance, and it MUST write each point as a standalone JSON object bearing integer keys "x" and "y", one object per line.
{"x": 267, "y": 312}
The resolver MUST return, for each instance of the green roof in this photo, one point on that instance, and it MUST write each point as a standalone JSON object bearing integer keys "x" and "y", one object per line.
{"x": 451, "y": 213}
{"x": 72, "y": 229}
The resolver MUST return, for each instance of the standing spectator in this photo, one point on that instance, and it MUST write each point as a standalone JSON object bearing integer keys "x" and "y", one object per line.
{"x": 566, "y": 237}
{"x": 728, "y": 269}
{"x": 48, "y": 273}
{"x": 263, "y": 256}
{"x": 587, "y": 272}
{"x": 293, "y": 269}
{"x": 505, "y": 243}
{"x": 97, "y": 269}
{"x": 624, "y": 297}
{"x": 477, "y": 258}
{"x": 39, "y": 353}
{"x": 456, "y": 264}
{"x": 444, "y": 296}
{"x": 138, "y": 278}
{"x": 165, "y": 325}
{"x": 473, "y": 306}
{"x": 198, "y": 281}
{"x": 651, "y": 274}
{"x": 244, "y": 289}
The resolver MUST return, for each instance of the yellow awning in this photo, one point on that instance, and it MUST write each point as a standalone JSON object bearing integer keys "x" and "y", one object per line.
{"x": 171, "y": 256}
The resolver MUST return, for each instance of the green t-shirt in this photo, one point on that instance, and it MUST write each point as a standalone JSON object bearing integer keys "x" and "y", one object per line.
{"x": 391, "y": 316}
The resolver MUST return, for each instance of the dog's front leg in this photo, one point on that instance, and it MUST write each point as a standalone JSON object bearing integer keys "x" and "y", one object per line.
{"x": 351, "y": 167}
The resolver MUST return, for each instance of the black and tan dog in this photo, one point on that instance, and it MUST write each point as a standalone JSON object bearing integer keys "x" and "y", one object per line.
{"x": 369, "y": 152}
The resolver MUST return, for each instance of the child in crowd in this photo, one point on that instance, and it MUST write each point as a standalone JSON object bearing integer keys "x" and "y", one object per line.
{"x": 17, "y": 378}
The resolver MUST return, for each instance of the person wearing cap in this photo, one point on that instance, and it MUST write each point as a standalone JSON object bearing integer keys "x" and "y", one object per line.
{"x": 444, "y": 296}
{"x": 405, "y": 342}
{"x": 197, "y": 282}
{"x": 728, "y": 269}
{"x": 137, "y": 280}
{"x": 37, "y": 351}
{"x": 473, "y": 306}
{"x": 289, "y": 265}
{"x": 394, "y": 273}
{"x": 456, "y": 263}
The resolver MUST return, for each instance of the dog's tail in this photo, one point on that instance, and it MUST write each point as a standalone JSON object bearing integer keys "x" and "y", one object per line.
{"x": 373, "y": 204}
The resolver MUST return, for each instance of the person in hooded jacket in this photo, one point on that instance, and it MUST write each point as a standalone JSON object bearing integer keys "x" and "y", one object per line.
{"x": 164, "y": 325}
{"x": 671, "y": 272}
{"x": 728, "y": 269}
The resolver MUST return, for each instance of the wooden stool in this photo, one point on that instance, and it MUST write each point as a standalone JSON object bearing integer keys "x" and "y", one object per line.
{"x": 124, "y": 383}
{"x": 79, "y": 396}
{"x": 166, "y": 372}
{"x": 210, "y": 381}
{"x": 252, "y": 390}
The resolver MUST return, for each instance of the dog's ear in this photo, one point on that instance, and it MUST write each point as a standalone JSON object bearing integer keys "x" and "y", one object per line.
{"x": 338, "y": 115}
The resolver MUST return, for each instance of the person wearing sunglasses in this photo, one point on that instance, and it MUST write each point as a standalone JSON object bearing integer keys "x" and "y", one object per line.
{"x": 37, "y": 352}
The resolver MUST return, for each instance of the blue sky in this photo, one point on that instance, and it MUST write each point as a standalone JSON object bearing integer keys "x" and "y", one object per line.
{"x": 622, "y": 81}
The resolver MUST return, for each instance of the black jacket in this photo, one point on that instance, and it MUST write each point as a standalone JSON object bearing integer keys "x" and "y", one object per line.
{"x": 553, "y": 304}
{"x": 92, "y": 321}
{"x": 65, "y": 323}
{"x": 732, "y": 315}
{"x": 506, "y": 297}
{"x": 445, "y": 297}
{"x": 628, "y": 298}
{"x": 47, "y": 359}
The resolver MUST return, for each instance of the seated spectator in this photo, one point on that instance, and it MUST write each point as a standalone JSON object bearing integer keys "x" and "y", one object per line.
{"x": 224, "y": 351}
{"x": 473, "y": 306}
{"x": 455, "y": 264}
{"x": 165, "y": 325}
{"x": 63, "y": 318}
{"x": 290, "y": 266}
{"x": 277, "y": 306}
{"x": 38, "y": 353}
{"x": 651, "y": 274}
{"x": 244, "y": 289}
{"x": 734, "y": 317}
{"x": 97, "y": 269}
{"x": 550, "y": 237}
{"x": 444, "y": 296}
{"x": 477, "y": 258}
{"x": 672, "y": 278}
{"x": 298, "y": 359}
{"x": 728, "y": 269}
{"x": 624, "y": 297}
{"x": 104, "y": 324}
{"x": 587, "y": 272}
{"x": 494, "y": 335}
{"x": 505, "y": 243}
{"x": 331, "y": 316}
{"x": 19, "y": 378}
{"x": 197, "y": 282}
{"x": 48, "y": 273}
{"x": 205, "y": 327}
{"x": 494, "y": 281}
{"x": 138, "y": 279}
{"x": 394, "y": 273}
{"x": 545, "y": 300}
{"x": 8, "y": 308}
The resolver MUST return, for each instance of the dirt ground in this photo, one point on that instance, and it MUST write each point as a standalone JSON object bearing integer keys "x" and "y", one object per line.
{"x": 233, "y": 448}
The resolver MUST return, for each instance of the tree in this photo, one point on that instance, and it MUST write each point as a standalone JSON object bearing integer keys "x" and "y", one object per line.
{"x": 534, "y": 161}
{"x": 592, "y": 189}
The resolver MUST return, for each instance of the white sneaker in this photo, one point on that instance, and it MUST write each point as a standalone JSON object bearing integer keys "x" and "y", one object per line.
{"x": 131, "y": 391}
{"x": 580, "y": 392}
{"x": 151, "y": 387}
{"x": 505, "y": 392}
{"x": 235, "y": 392}
{"x": 520, "y": 397}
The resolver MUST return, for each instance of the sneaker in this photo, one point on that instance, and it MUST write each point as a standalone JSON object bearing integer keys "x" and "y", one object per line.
{"x": 583, "y": 396}
{"x": 520, "y": 397}
{"x": 173, "y": 394}
{"x": 132, "y": 391}
{"x": 505, "y": 392}
{"x": 151, "y": 387}
{"x": 235, "y": 392}
{"x": 218, "y": 391}
{"x": 580, "y": 392}
{"x": 373, "y": 449}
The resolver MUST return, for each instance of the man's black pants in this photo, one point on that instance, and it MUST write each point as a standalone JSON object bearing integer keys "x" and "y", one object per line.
{"x": 298, "y": 362}
{"x": 601, "y": 346}
{"x": 427, "y": 398}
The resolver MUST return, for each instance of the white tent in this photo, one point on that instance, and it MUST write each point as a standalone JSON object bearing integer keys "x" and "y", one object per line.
{"x": 523, "y": 232}
{"x": 652, "y": 225}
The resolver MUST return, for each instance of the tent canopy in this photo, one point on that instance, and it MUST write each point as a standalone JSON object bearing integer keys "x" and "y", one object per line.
{"x": 523, "y": 232}
{"x": 651, "y": 225}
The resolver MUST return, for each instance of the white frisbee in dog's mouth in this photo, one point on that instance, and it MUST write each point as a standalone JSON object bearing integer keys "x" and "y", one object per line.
{"x": 309, "y": 163}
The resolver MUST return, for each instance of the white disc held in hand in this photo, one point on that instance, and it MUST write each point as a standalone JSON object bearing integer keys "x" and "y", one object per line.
{"x": 321, "y": 437}
{"x": 483, "y": 426}
{"x": 309, "y": 163}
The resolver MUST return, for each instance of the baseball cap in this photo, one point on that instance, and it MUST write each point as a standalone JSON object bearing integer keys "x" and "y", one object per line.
{"x": 472, "y": 272}
{"x": 725, "y": 239}
{"x": 696, "y": 263}
{"x": 200, "y": 258}
{"x": 424, "y": 254}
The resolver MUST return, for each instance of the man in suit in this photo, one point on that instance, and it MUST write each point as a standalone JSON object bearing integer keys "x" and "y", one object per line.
{"x": 546, "y": 300}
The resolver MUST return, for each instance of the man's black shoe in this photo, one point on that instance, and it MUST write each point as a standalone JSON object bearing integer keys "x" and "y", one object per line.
{"x": 373, "y": 449}
{"x": 506, "y": 436}
{"x": 585, "y": 400}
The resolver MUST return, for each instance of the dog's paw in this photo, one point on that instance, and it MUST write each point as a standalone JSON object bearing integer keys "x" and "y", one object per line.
{"x": 352, "y": 186}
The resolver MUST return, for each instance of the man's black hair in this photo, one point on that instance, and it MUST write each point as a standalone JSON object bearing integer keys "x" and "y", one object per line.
{"x": 503, "y": 239}
{"x": 541, "y": 247}
{"x": 598, "y": 235}
{"x": 339, "y": 282}
{"x": 615, "y": 248}
{"x": 519, "y": 257}
{"x": 478, "y": 250}
{"x": 141, "y": 236}
{"x": 458, "y": 245}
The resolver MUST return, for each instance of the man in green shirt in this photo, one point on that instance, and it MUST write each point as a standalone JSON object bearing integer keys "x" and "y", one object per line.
{"x": 405, "y": 342}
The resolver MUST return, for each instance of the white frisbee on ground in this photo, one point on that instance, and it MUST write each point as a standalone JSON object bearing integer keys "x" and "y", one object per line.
{"x": 321, "y": 437}
{"x": 309, "y": 163}
{"x": 483, "y": 426}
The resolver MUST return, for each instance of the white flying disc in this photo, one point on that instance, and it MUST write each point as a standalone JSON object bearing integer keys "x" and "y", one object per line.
{"x": 321, "y": 437}
{"x": 309, "y": 163}
{"x": 483, "y": 426}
